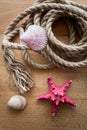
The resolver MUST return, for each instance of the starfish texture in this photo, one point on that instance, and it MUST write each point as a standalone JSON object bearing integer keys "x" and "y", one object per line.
{"x": 57, "y": 95}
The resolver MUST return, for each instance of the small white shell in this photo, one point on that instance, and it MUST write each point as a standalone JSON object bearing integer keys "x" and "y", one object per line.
{"x": 17, "y": 102}
{"x": 35, "y": 37}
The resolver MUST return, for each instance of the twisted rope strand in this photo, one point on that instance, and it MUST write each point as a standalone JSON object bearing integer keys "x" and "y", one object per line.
{"x": 45, "y": 13}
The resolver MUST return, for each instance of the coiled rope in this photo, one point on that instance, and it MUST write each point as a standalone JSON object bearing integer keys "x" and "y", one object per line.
{"x": 44, "y": 13}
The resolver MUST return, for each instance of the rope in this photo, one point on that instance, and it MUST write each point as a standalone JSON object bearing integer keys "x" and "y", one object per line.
{"x": 45, "y": 13}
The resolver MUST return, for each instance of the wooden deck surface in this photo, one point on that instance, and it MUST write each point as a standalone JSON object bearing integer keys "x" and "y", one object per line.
{"x": 37, "y": 115}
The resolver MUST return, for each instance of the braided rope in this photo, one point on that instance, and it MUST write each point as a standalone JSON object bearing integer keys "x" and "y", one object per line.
{"x": 44, "y": 13}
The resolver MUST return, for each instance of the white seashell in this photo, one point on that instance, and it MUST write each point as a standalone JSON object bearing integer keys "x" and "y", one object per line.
{"x": 35, "y": 37}
{"x": 17, "y": 102}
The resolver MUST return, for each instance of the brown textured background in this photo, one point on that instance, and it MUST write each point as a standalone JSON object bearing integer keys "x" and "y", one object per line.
{"x": 37, "y": 115}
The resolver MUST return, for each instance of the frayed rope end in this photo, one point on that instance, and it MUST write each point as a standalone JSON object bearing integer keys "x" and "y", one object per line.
{"x": 21, "y": 76}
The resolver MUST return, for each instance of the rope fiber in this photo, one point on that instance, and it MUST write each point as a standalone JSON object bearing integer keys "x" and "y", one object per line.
{"x": 45, "y": 13}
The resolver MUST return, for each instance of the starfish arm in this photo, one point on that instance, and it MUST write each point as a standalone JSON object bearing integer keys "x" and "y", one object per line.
{"x": 54, "y": 108}
{"x": 45, "y": 96}
{"x": 68, "y": 100}
{"x": 51, "y": 83}
{"x": 66, "y": 85}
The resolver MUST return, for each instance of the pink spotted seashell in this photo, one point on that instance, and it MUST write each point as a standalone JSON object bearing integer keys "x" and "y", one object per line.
{"x": 35, "y": 37}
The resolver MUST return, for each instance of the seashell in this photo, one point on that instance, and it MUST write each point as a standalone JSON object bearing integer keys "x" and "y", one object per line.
{"x": 17, "y": 102}
{"x": 35, "y": 37}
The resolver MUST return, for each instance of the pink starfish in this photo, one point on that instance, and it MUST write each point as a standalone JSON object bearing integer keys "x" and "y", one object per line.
{"x": 57, "y": 95}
